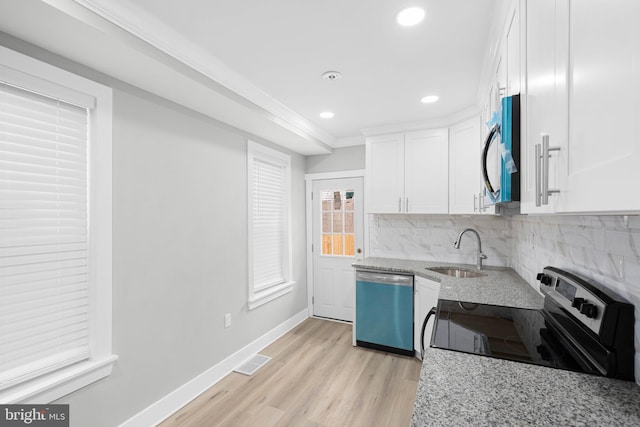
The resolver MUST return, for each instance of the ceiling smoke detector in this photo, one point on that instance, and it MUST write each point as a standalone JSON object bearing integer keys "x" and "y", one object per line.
{"x": 331, "y": 75}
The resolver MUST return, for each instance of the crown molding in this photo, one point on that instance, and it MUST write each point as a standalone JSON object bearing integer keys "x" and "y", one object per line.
{"x": 348, "y": 141}
{"x": 135, "y": 20}
{"x": 441, "y": 122}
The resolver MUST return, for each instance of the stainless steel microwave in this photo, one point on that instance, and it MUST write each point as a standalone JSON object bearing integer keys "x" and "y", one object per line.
{"x": 501, "y": 155}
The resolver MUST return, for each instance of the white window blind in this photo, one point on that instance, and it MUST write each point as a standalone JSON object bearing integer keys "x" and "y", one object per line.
{"x": 269, "y": 216}
{"x": 44, "y": 322}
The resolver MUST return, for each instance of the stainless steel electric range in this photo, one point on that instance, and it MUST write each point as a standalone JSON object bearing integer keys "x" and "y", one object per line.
{"x": 583, "y": 327}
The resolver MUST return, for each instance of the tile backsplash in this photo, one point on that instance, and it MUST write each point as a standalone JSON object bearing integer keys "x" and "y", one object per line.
{"x": 603, "y": 248}
{"x": 431, "y": 237}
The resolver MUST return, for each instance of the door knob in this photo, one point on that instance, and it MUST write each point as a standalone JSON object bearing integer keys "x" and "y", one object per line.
{"x": 359, "y": 250}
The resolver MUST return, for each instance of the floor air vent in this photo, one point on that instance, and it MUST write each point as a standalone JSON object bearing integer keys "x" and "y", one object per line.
{"x": 252, "y": 365}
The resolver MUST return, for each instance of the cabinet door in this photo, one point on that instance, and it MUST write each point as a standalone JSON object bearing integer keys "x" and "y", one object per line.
{"x": 426, "y": 174}
{"x": 385, "y": 174}
{"x": 512, "y": 41}
{"x": 546, "y": 108}
{"x": 604, "y": 135}
{"x": 426, "y": 297}
{"x": 464, "y": 167}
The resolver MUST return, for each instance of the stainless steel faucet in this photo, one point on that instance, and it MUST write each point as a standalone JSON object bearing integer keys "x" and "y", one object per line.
{"x": 479, "y": 255}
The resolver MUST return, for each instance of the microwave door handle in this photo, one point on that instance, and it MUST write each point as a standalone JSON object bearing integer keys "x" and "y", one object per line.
{"x": 495, "y": 130}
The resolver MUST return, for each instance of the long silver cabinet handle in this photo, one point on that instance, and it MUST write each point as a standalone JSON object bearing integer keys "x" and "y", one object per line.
{"x": 475, "y": 198}
{"x": 406, "y": 206}
{"x": 546, "y": 153}
{"x": 538, "y": 158}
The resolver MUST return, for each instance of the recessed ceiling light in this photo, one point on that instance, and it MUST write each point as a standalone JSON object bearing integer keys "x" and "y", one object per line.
{"x": 429, "y": 99}
{"x": 326, "y": 114}
{"x": 410, "y": 16}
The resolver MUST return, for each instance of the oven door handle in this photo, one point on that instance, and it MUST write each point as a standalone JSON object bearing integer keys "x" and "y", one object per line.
{"x": 424, "y": 326}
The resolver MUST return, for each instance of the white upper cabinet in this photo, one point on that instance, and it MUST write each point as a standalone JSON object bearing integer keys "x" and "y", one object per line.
{"x": 582, "y": 91}
{"x": 408, "y": 173}
{"x": 544, "y": 112}
{"x": 603, "y": 164}
{"x": 512, "y": 50}
{"x": 385, "y": 173}
{"x": 426, "y": 168}
{"x": 464, "y": 167}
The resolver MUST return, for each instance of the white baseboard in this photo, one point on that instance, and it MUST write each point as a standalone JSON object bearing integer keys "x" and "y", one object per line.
{"x": 163, "y": 408}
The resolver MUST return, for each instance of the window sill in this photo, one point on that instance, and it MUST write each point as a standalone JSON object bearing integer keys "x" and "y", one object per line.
{"x": 57, "y": 384}
{"x": 264, "y": 296}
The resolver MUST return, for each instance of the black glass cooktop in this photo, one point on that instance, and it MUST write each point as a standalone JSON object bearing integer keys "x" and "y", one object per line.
{"x": 516, "y": 334}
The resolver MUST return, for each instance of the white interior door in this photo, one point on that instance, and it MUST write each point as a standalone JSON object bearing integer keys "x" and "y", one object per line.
{"x": 338, "y": 221}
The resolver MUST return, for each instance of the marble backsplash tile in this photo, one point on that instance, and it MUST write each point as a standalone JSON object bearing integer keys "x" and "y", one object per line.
{"x": 431, "y": 237}
{"x": 605, "y": 249}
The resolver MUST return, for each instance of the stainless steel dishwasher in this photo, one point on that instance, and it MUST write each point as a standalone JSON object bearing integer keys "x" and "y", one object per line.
{"x": 384, "y": 311}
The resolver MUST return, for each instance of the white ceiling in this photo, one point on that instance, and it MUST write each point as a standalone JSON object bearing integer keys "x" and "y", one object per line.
{"x": 283, "y": 46}
{"x": 257, "y": 64}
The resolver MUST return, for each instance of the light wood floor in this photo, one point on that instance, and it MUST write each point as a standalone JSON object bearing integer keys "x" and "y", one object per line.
{"x": 315, "y": 378}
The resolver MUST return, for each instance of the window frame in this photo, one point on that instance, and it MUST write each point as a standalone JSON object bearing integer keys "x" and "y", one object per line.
{"x": 258, "y": 297}
{"x": 32, "y": 74}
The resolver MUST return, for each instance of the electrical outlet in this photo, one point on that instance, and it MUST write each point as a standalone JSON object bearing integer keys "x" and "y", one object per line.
{"x": 227, "y": 320}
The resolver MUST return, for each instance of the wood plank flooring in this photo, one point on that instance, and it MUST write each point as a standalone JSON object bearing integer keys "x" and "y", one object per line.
{"x": 315, "y": 378}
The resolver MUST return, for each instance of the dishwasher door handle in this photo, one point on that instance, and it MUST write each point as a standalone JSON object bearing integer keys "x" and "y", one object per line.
{"x": 384, "y": 278}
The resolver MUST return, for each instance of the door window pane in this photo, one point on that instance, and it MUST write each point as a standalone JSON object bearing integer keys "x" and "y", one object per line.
{"x": 337, "y": 223}
{"x": 326, "y": 222}
{"x": 326, "y": 244}
{"x": 348, "y": 222}
{"x": 337, "y": 210}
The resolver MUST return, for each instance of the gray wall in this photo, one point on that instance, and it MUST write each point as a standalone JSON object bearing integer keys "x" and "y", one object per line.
{"x": 179, "y": 250}
{"x": 342, "y": 159}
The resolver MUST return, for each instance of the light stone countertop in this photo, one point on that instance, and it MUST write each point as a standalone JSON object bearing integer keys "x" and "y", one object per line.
{"x": 499, "y": 286}
{"x": 460, "y": 389}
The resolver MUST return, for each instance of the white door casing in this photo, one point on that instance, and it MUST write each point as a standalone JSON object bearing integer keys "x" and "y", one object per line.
{"x": 337, "y": 234}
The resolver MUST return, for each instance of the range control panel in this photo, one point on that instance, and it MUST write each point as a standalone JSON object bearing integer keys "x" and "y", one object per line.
{"x": 573, "y": 297}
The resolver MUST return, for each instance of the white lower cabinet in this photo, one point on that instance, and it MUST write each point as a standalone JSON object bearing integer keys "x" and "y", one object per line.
{"x": 425, "y": 298}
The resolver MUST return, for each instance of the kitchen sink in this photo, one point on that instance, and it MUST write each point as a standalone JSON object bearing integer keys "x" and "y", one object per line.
{"x": 460, "y": 273}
